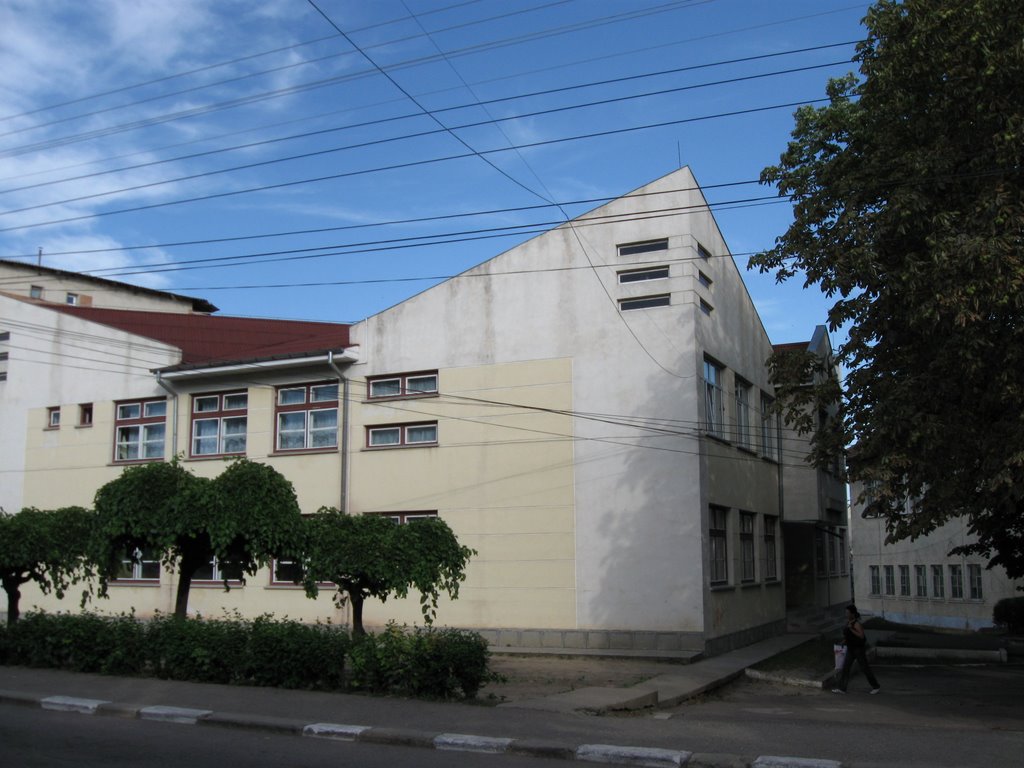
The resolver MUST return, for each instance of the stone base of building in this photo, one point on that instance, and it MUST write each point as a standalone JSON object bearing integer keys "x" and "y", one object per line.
{"x": 726, "y": 643}
{"x": 573, "y": 640}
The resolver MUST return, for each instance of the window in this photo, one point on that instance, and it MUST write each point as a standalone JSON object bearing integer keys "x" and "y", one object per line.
{"x": 214, "y": 571}
{"x": 938, "y": 582}
{"x": 769, "y": 434}
{"x": 956, "y": 582}
{"x": 639, "y": 275}
{"x": 307, "y": 417}
{"x": 144, "y": 565}
{"x": 35, "y": 291}
{"x": 703, "y": 252}
{"x": 974, "y": 576}
{"x": 876, "y": 581}
{"x": 921, "y": 580}
{"x": 71, "y": 298}
{"x": 139, "y": 429}
{"x": 645, "y": 302}
{"x": 833, "y": 562}
{"x": 747, "y": 546}
{"x": 647, "y": 246}
{"x": 402, "y": 435}
{"x": 706, "y": 308}
{"x": 742, "y": 413}
{"x": 53, "y": 417}
{"x": 842, "y": 551}
{"x": 713, "y": 402}
{"x": 821, "y": 564}
{"x": 770, "y": 558}
{"x": 904, "y": 581}
{"x": 219, "y": 423}
{"x": 890, "y": 580}
{"x": 719, "y": 537}
{"x": 403, "y": 385}
{"x": 85, "y": 414}
{"x": 403, "y": 518}
{"x": 704, "y": 279}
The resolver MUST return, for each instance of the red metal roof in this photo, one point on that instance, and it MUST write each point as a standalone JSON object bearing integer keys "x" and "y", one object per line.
{"x": 208, "y": 339}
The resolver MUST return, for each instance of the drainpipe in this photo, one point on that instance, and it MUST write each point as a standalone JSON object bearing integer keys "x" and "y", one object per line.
{"x": 174, "y": 412}
{"x": 344, "y": 431}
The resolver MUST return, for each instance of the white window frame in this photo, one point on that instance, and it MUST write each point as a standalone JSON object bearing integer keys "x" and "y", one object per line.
{"x": 53, "y": 417}
{"x": 221, "y": 410}
{"x": 402, "y": 432}
{"x": 742, "y": 394}
{"x": 288, "y": 406}
{"x": 714, "y": 401}
{"x": 138, "y": 566}
{"x": 140, "y": 427}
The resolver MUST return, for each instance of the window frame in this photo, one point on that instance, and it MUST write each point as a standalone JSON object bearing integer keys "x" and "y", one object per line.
{"x": 405, "y": 391}
{"x": 143, "y": 421}
{"x": 748, "y": 558}
{"x": 53, "y": 417}
{"x": 890, "y": 580}
{"x": 974, "y": 580}
{"x": 653, "y": 301}
{"x": 643, "y": 274}
{"x": 403, "y": 435}
{"x": 771, "y": 566}
{"x": 85, "y": 414}
{"x": 938, "y": 582}
{"x": 718, "y": 545}
{"x": 220, "y": 414}
{"x": 714, "y": 399}
{"x": 310, "y": 404}
{"x": 874, "y": 581}
{"x": 921, "y": 580}
{"x": 741, "y": 395}
{"x": 904, "y": 580}
{"x": 642, "y": 246}
{"x": 956, "y": 581}
{"x": 217, "y": 576}
{"x": 136, "y": 565}
{"x": 769, "y": 429}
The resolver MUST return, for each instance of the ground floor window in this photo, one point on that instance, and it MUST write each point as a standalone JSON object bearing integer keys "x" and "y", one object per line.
{"x": 974, "y": 575}
{"x": 718, "y": 534}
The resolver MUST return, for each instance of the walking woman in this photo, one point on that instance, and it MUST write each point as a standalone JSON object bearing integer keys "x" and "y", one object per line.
{"x": 856, "y": 650}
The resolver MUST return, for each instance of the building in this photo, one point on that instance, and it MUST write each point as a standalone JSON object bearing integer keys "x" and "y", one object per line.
{"x": 589, "y": 411}
{"x": 919, "y": 582}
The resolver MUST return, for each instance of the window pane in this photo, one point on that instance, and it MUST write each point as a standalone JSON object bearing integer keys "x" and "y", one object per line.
{"x": 324, "y": 393}
{"x": 156, "y": 408}
{"x": 324, "y": 419}
{"x": 424, "y": 434}
{"x": 206, "y": 404}
{"x": 204, "y": 436}
{"x": 291, "y": 430}
{"x": 153, "y": 441}
{"x": 130, "y": 411}
{"x": 237, "y": 402}
{"x": 386, "y": 388}
{"x": 291, "y": 396}
{"x": 323, "y": 430}
{"x": 421, "y": 384}
{"x": 234, "y": 434}
{"x": 127, "y": 443}
{"x": 385, "y": 436}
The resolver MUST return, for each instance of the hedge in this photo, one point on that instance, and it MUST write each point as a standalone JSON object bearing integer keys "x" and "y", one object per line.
{"x": 1009, "y": 613}
{"x": 426, "y": 663}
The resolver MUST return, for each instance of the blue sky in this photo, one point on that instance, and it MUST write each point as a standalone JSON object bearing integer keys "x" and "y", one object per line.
{"x": 115, "y": 114}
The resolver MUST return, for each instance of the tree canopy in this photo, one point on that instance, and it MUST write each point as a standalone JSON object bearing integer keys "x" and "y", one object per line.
{"x": 244, "y": 517}
{"x": 908, "y": 194}
{"x": 372, "y": 556}
{"x": 49, "y": 548}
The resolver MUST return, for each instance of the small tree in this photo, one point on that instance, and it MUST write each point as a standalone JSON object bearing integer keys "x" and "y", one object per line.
{"x": 244, "y": 517}
{"x": 49, "y": 548}
{"x": 372, "y": 556}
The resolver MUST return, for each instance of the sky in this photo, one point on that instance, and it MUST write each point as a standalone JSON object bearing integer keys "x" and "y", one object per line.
{"x": 324, "y": 162}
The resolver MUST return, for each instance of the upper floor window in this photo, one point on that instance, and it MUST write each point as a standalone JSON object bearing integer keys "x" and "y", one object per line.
{"x": 647, "y": 246}
{"x": 402, "y": 385}
{"x": 703, "y": 252}
{"x": 307, "y": 417}
{"x": 921, "y": 579}
{"x": 875, "y": 580}
{"x": 703, "y": 279}
{"x": 938, "y": 581}
{"x": 743, "y": 390}
{"x": 402, "y": 435}
{"x": 85, "y": 414}
{"x": 770, "y": 556}
{"x": 956, "y": 582}
{"x": 139, "y": 430}
{"x": 714, "y": 406}
{"x": 974, "y": 575}
{"x": 645, "y": 302}
{"x": 747, "y": 546}
{"x": 35, "y": 291}
{"x": 769, "y": 434}
{"x": 72, "y": 298}
{"x": 403, "y": 518}
{"x": 53, "y": 417}
{"x": 719, "y": 537}
{"x": 219, "y": 423}
{"x": 640, "y": 275}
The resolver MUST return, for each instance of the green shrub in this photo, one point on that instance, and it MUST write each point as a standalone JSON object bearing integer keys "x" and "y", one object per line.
{"x": 287, "y": 654}
{"x": 200, "y": 650}
{"x": 1009, "y": 613}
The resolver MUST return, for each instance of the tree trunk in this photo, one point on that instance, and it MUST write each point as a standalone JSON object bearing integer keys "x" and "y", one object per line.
{"x": 357, "y": 614}
{"x": 13, "y": 600}
{"x": 186, "y": 570}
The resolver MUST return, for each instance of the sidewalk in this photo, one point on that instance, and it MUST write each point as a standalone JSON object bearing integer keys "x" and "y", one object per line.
{"x": 552, "y": 727}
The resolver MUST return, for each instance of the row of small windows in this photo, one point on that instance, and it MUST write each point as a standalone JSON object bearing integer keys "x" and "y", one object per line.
{"x": 659, "y": 272}
{"x": 652, "y": 246}
{"x": 750, "y": 426}
{"x": 144, "y": 566}
{"x": 719, "y": 533}
{"x": 5, "y": 338}
{"x": 925, "y": 576}
{"x": 306, "y": 418}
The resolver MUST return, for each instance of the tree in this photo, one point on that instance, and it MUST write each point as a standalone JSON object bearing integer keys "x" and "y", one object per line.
{"x": 372, "y": 556}
{"x": 49, "y": 548}
{"x": 909, "y": 212}
{"x": 244, "y": 517}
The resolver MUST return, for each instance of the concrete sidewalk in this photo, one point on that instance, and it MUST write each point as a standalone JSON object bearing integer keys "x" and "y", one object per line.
{"x": 553, "y": 727}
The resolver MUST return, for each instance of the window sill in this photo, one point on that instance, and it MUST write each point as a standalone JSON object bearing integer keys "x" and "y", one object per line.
{"x": 207, "y": 584}
{"x": 723, "y": 587}
{"x": 399, "y": 447}
{"x": 130, "y": 462}
{"x": 83, "y": 426}
{"x": 747, "y": 449}
{"x": 133, "y": 583}
{"x": 216, "y": 456}
{"x": 305, "y": 451}
{"x": 773, "y": 582}
{"x": 717, "y": 438}
{"x": 749, "y": 584}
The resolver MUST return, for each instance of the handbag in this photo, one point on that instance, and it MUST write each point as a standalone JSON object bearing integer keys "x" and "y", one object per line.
{"x": 840, "y": 653}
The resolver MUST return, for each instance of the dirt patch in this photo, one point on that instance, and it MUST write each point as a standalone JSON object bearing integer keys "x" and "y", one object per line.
{"x": 529, "y": 677}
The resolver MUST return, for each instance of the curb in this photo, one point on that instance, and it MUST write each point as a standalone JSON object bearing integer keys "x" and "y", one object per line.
{"x": 649, "y": 757}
